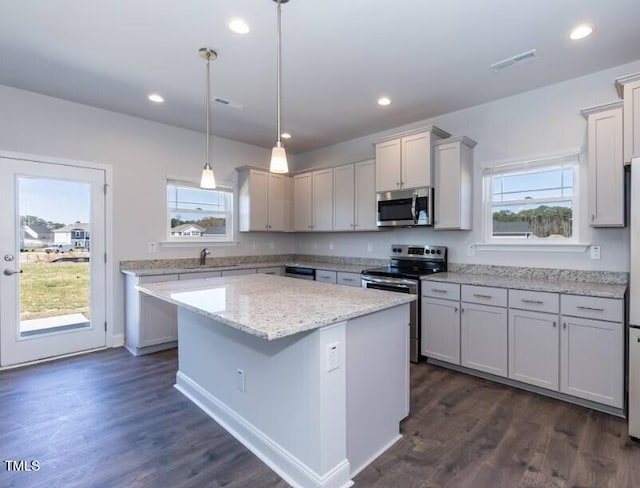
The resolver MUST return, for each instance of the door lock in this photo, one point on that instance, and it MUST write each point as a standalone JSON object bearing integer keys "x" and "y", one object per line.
{"x": 8, "y": 257}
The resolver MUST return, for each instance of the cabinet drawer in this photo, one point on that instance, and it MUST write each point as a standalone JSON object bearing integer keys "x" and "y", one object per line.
{"x": 326, "y": 276}
{"x": 275, "y": 270}
{"x": 238, "y": 272}
{"x": 438, "y": 289}
{"x": 609, "y": 309}
{"x": 157, "y": 278}
{"x": 199, "y": 276}
{"x": 538, "y": 301}
{"x": 350, "y": 279}
{"x": 485, "y": 295}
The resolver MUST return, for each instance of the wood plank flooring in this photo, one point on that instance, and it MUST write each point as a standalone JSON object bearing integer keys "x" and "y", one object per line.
{"x": 113, "y": 420}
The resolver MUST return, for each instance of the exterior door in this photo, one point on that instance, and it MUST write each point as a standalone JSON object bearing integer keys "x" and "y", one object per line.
{"x": 52, "y": 256}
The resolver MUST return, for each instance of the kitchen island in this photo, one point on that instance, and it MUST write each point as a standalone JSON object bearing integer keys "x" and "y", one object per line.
{"x": 311, "y": 377}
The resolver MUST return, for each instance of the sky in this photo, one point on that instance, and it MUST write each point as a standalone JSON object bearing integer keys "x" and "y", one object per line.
{"x": 60, "y": 201}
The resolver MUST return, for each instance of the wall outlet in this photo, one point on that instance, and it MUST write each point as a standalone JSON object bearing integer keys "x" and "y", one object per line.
{"x": 331, "y": 246}
{"x": 152, "y": 247}
{"x": 369, "y": 247}
{"x": 240, "y": 380}
{"x": 595, "y": 252}
{"x": 315, "y": 246}
{"x": 471, "y": 250}
{"x": 254, "y": 244}
{"x": 272, "y": 246}
{"x": 333, "y": 356}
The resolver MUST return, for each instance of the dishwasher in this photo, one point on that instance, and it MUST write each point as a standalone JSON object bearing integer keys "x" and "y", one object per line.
{"x": 300, "y": 272}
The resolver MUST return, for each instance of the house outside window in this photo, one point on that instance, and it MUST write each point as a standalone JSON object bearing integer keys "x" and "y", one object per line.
{"x": 194, "y": 214}
{"x": 532, "y": 202}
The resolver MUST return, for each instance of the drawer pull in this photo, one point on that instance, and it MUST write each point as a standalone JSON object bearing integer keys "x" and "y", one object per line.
{"x": 439, "y": 290}
{"x": 593, "y": 309}
{"x": 554, "y": 324}
{"x": 535, "y": 302}
{"x": 564, "y": 325}
{"x": 455, "y": 310}
{"x": 347, "y": 279}
{"x": 480, "y": 295}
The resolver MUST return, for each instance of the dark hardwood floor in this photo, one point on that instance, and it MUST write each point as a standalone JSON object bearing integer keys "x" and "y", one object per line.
{"x": 113, "y": 420}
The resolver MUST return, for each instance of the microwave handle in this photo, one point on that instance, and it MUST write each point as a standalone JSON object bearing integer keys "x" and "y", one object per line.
{"x": 414, "y": 202}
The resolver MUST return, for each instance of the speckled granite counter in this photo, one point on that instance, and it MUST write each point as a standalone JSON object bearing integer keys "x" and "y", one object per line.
{"x": 571, "y": 287}
{"x": 272, "y": 307}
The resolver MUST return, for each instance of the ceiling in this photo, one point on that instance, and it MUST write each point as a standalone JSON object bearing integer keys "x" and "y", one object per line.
{"x": 338, "y": 58}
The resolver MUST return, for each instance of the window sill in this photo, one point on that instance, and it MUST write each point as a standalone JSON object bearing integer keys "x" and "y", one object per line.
{"x": 198, "y": 243}
{"x": 532, "y": 246}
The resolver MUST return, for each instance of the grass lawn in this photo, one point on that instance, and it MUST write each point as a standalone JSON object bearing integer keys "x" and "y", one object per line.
{"x": 51, "y": 289}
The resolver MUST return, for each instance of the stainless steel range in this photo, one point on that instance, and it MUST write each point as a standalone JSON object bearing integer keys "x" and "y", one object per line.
{"x": 409, "y": 263}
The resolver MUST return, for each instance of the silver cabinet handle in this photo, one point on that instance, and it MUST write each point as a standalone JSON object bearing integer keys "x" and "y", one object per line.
{"x": 10, "y": 272}
{"x": 439, "y": 290}
{"x": 593, "y": 309}
{"x": 564, "y": 325}
{"x": 455, "y": 309}
{"x": 554, "y": 324}
{"x": 536, "y": 302}
{"x": 479, "y": 295}
{"x": 461, "y": 310}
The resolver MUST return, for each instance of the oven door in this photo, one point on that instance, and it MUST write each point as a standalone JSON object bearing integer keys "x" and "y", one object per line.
{"x": 406, "y": 208}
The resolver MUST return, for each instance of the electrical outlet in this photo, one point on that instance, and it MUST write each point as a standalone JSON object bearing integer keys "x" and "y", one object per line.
{"x": 272, "y": 246}
{"x": 240, "y": 380}
{"x": 254, "y": 244}
{"x": 369, "y": 247}
{"x": 153, "y": 247}
{"x": 331, "y": 246}
{"x": 471, "y": 250}
{"x": 333, "y": 356}
{"x": 595, "y": 252}
{"x": 315, "y": 246}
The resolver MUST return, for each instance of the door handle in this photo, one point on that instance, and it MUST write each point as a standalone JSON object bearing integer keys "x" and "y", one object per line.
{"x": 9, "y": 272}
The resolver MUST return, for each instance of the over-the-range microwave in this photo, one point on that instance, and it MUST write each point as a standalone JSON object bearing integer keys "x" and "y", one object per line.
{"x": 405, "y": 208}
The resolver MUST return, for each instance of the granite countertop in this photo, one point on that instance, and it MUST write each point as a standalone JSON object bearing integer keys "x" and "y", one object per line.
{"x": 272, "y": 307}
{"x": 584, "y": 288}
{"x": 349, "y": 268}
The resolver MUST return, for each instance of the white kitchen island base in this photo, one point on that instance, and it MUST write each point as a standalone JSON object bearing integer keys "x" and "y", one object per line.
{"x": 317, "y": 406}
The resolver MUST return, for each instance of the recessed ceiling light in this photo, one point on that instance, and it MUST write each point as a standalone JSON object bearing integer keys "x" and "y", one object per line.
{"x": 580, "y": 32}
{"x": 285, "y": 135}
{"x": 154, "y": 97}
{"x": 239, "y": 26}
{"x": 384, "y": 101}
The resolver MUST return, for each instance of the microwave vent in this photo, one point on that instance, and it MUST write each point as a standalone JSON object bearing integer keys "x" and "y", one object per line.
{"x": 514, "y": 60}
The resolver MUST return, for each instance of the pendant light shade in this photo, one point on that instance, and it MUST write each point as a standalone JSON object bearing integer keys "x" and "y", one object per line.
{"x": 208, "y": 180}
{"x": 278, "y": 154}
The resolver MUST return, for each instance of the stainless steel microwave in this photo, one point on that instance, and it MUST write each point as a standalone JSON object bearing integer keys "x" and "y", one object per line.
{"x": 405, "y": 208}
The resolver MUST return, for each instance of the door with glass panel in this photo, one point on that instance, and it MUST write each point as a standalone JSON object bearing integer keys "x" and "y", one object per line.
{"x": 52, "y": 260}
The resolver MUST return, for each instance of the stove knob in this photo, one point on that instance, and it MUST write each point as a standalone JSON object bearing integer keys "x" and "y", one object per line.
{"x": 439, "y": 251}
{"x": 433, "y": 251}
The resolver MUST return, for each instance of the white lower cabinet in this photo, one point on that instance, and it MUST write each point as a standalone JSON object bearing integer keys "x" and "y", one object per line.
{"x": 274, "y": 270}
{"x": 592, "y": 360}
{"x": 483, "y": 338}
{"x": 349, "y": 279}
{"x": 534, "y": 348}
{"x": 441, "y": 329}
{"x": 326, "y": 276}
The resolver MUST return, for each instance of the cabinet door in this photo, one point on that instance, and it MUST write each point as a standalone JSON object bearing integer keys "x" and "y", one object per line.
{"x": 416, "y": 160}
{"x": 277, "y": 202}
{"x": 365, "y": 198}
{"x": 592, "y": 359}
{"x": 388, "y": 175}
{"x": 631, "y": 120}
{"x": 326, "y": 276}
{"x": 343, "y": 197}
{"x": 322, "y": 211}
{"x": 200, "y": 275}
{"x": 258, "y": 216}
{"x": 441, "y": 330}
{"x": 158, "y": 321}
{"x": 349, "y": 279}
{"x": 447, "y": 187}
{"x": 534, "y": 348}
{"x": 483, "y": 338}
{"x": 302, "y": 202}
{"x": 238, "y": 272}
{"x": 275, "y": 270}
{"x": 606, "y": 169}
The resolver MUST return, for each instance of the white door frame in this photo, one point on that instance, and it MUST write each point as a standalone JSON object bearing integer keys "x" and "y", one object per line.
{"x": 112, "y": 340}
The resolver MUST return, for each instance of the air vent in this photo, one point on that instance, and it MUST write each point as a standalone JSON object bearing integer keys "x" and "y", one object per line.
{"x": 228, "y": 103}
{"x": 514, "y": 60}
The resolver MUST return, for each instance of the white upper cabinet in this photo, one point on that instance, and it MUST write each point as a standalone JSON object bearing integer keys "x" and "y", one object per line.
{"x": 406, "y": 162}
{"x": 313, "y": 201}
{"x": 263, "y": 201}
{"x": 453, "y": 182}
{"x": 302, "y": 202}
{"x": 354, "y": 196}
{"x": 606, "y": 165}
{"x": 629, "y": 89}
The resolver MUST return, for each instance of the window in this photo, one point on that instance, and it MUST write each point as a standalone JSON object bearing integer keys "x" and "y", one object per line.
{"x": 194, "y": 214}
{"x": 533, "y": 201}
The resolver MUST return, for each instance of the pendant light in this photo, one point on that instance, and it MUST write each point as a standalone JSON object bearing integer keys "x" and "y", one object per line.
{"x": 208, "y": 181}
{"x": 278, "y": 154}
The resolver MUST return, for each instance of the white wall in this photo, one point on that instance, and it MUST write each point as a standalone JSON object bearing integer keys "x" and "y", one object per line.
{"x": 541, "y": 122}
{"x": 142, "y": 154}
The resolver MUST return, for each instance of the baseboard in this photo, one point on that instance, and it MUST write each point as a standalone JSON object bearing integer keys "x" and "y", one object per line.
{"x": 287, "y": 466}
{"x": 355, "y": 471}
{"x": 116, "y": 340}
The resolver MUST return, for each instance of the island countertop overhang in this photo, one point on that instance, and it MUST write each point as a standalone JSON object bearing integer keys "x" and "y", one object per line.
{"x": 272, "y": 307}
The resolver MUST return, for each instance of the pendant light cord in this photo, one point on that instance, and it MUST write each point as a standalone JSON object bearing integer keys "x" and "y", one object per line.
{"x": 278, "y": 55}
{"x": 207, "y": 164}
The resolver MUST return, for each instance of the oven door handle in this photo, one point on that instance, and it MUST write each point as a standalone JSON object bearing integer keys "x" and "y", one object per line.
{"x": 414, "y": 203}
{"x": 387, "y": 282}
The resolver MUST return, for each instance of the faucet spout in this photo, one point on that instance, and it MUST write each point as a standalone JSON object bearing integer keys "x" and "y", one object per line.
{"x": 203, "y": 256}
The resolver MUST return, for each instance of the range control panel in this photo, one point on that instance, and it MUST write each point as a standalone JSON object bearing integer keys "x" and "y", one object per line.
{"x": 416, "y": 251}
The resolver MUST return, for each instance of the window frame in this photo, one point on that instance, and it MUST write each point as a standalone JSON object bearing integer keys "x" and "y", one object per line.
{"x": 491, "y": 170}
{"x": 229, "y": 235}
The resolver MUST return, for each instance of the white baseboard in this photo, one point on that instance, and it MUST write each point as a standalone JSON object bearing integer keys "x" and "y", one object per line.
{"x": 356, "y": 470}
{"x": 287, "y": 466}
{"x": 115, "y": 340}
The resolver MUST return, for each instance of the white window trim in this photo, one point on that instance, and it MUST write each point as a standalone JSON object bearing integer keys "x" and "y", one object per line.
{"x": 228, "y": 240}
{"x": 501, "y": 244}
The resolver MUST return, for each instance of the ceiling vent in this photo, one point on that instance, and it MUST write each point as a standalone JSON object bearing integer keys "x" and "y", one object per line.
{"x": 228, "y": 103}
{"x": 514, "y": 60}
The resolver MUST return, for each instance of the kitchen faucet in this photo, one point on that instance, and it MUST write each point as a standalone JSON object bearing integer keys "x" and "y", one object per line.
{"x": 203, "y": 256}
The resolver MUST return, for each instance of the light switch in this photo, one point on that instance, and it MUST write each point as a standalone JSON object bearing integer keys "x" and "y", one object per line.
{"x": 153, "y": 247}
